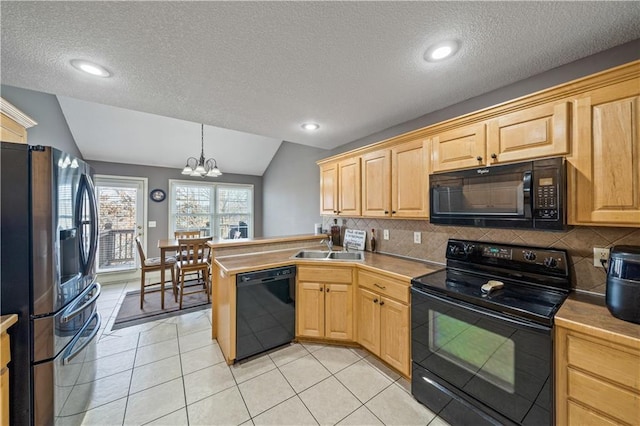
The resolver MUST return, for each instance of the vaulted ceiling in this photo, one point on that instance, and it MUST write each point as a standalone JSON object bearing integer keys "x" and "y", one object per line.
{"x": 261, "y": 69}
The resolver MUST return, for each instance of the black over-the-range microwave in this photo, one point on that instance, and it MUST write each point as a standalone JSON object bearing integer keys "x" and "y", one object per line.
{"x": 522, "y": 195}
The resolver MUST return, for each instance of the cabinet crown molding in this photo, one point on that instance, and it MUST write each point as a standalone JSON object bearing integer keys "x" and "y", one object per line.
{"x": 15, "y": 114}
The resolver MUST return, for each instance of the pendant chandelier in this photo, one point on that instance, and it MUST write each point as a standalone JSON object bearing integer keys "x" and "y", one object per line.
{"x": 201, "y": 167}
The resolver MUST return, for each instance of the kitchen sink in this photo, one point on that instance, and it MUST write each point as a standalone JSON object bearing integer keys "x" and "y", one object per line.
{"x": 346, "y": 255}
{"x": 311, "y": 254}
{"x": 328, "y": 255}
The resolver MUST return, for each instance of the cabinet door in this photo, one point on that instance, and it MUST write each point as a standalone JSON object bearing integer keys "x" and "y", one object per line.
{"x": 376, "y": 184}
{"x": 369, "y": 320}
{"x": 604, "y": 172}
{"x": 410, "y": 179}
{"x": 541, "y": 131}
{"x": 338, "y": 311}
{"x": 310, "y": 309}
{"x": 459, "y": 148}
{"x": 394, "y": 335}
{"x": 11, "y": 131}
{"x": 349, "y": 187}
{"x": 329, "y": 189}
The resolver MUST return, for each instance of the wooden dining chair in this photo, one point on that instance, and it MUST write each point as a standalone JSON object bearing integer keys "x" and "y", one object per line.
{"x": 186, "y": 234}
{"x": 193, "y": 257}
{"x": 150, "y": 265}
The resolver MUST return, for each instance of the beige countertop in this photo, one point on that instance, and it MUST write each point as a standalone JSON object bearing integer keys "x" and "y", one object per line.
{"x": 403, "y": 269}
{"x": 7, "y": 321}
{"x": 589, "y": 314}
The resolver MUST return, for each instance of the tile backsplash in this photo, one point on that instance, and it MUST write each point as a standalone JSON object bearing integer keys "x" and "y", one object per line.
{"x": 578, "y": 241}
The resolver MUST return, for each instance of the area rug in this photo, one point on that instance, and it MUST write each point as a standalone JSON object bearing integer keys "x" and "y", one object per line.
{"x": 130, "y": 313}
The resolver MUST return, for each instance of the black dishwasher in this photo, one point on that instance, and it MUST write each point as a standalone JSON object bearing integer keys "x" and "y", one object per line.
{"x": 265, "y": 310}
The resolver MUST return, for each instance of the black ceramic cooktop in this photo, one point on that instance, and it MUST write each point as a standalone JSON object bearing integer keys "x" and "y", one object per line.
{"x": 515, "y": 298}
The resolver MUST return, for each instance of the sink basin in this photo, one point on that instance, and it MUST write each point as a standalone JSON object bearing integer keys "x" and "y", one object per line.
{"x": 311, "y": 254}
{"x": 344, "y": 255}
{"x": 328, "y": 255}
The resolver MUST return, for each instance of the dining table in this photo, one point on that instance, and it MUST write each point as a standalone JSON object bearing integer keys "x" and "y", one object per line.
{"x": 168, "y": 245}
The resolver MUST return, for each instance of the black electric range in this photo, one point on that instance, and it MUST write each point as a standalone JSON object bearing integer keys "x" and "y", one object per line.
{"x": 482, "y": 333}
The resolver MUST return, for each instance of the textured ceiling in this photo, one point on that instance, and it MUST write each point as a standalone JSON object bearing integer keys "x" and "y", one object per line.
{"x": 265, "y": 67}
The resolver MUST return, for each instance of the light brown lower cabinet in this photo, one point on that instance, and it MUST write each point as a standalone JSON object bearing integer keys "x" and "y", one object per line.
{"x": 597, "y": 380}
{"x": 382, "y": 321}
{"x": 324, "y": 303}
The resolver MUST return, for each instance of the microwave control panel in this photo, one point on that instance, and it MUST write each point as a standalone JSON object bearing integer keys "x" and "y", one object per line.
{"x": 546, "y": 193}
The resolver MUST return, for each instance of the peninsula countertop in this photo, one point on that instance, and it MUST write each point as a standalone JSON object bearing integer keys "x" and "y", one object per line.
{"x": 401, "y": 268}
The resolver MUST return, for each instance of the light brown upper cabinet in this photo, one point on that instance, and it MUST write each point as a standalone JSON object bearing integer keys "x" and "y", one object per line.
{"x": 13, "y": 123}
{"x": 340, "y": 187}
{"x": 459, "y": 148}
{"x": 541, "y": 131}
{"x": 604, "y": 168}
{"x": 395, "y": 182}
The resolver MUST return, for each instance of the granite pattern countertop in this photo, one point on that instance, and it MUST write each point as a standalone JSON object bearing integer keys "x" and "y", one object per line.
{"x": 402, "y": 269}
{"x": 589, "y": 314}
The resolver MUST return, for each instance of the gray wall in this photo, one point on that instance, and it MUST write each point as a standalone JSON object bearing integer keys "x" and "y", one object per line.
{"x": 304, "y": 185}
{"x": 52, "y": 128}
{"x": 291, "y": 195}
{"x": 159, "y": 179}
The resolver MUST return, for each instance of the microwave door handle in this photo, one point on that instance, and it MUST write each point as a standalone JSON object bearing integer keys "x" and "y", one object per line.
{"x": 526, "y": 192}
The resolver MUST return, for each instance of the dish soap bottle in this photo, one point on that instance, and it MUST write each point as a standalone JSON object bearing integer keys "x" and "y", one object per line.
{"x": 373, "y": 240}
{"x": 335, "y": 233}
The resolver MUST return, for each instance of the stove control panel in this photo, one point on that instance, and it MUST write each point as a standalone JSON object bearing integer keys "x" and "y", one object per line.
{"x": 508, "y": 256}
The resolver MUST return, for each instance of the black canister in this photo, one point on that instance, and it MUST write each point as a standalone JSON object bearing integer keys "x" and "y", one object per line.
{"x": 623, "y": 283}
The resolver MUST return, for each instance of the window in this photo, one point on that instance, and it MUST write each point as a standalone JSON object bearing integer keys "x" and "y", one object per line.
{"x": 221, "y": 210}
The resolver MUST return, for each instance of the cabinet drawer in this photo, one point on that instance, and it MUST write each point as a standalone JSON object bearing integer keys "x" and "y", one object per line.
{"x": 5, "y": 350}
{"x": 384, "y": 286}
{"x": 580, "y": 416}
{"x": 606, "y": 361}
{"x": 604, "y": 396}
{"x": 325, "y": 274}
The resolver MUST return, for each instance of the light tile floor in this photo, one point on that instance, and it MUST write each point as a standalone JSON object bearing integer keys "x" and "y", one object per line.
{"x": 170, "y": 372}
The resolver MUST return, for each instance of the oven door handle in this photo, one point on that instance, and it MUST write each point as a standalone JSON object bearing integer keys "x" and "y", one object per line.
{"x": 75, "y": 309}
{"x": 72, "y": 354}
{"x": 485, "y": 312}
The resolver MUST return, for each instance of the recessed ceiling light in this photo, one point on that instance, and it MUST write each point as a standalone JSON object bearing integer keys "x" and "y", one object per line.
{"x": 440, "y": 51}
{"x": 310, "y": 126}
{"x": 90, "y": 68}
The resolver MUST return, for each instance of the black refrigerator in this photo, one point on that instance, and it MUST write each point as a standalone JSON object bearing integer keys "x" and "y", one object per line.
{"x": 49, "y": 233}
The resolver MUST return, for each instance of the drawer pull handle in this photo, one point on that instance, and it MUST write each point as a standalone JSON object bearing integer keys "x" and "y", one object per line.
{"x": 380, "y": 286}
{"x": 381, "y": 302}
{"x": 375, "y": 300}
{"x": 327, "y": 290}
{"x": 321, "y": 289}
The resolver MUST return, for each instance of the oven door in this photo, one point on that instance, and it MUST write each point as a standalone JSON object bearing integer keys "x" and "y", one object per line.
{"x": 489, "y": 196}
{"x": 474, "y": 366}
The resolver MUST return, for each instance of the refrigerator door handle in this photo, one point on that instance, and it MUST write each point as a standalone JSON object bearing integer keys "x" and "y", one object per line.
{"x": 69, "y": 355}
{"x": 86, "y": 189}
{"x": 75, "y": 309}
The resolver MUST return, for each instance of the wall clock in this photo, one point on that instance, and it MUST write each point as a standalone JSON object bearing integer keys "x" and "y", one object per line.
{"x": 157, "y": 195}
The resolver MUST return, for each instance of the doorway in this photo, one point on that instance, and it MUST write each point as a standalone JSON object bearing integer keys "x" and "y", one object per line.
{"x": 121, "y": 213}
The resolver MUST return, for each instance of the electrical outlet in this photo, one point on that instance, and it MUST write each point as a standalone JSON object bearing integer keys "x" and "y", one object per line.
{"x": 385, "y": 234}
{"x": 152, "y": 224}
{"x": 600, "y": 254}
{"x": 417, "y": 237}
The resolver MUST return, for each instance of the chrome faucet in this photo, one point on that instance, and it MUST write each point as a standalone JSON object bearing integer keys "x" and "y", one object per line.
{"x": 329, "y": 244}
